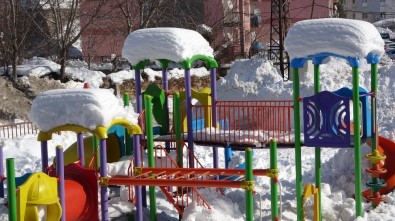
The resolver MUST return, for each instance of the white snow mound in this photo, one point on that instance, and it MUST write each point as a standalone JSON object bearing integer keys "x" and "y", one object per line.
{"x": 174, "y": 44}
{"x": 345, "y": 37}
{"x": 89, "y": 108}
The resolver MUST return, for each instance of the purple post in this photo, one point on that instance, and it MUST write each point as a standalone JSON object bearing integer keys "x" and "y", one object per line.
{"x": 189, "y": 116}
{"x": 213, "y": 81}
{"x": 103, "y": 173}
{"x": 138, "y": 189}
{"x": 139, "y": 98}
{"x": 60, "y": 175}
{"x": 44, "y": 155}
{"x": 80, "y": 147}
{"x": 165, "y": 86}
{"x": 1, "y": 170}
{"x": 215, "y": 158}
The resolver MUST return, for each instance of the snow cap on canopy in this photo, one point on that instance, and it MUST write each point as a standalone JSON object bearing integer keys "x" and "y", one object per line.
{"x": 89, "y": 108}
{"x": 174, "y": 44}
{"x": 343, "y": 37}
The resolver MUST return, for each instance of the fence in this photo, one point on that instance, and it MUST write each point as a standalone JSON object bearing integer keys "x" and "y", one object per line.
{"x": 17, "y": 129}
{"x": 247, "y": 122}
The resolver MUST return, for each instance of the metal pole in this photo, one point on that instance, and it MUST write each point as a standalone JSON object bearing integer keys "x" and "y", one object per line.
{"x": 165, "y": 86}
{"x": 317, "y": 150}
{"x": 189, "y": 117}
{"x": 250, "y": 179}
{"x": 274, "y": 181}
{"x": 357, "y": 143}
{"x": 298, "y": 148}
{"x": 103, "y": 173}
{"x": 177, "y": 128}
{"x": 137, "y": 188}
{"x": 150, "y": 147}
{"x": 11, "y": 190}
{"x": 213, "y": 82}
{"x": 1, "y": 170}
{"x": 80, "y": 147}
{"x": 44, "y": 155}
{"x": 60, "y": 175}
{"x": 128, "y": 143}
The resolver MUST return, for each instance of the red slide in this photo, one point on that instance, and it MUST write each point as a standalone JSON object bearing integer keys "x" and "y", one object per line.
{"x": 386, "y": 147}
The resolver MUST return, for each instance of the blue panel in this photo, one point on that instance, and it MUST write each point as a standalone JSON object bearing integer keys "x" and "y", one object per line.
{"x": 326, "y": 120}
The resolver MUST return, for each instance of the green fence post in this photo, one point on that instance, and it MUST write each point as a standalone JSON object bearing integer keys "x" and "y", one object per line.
{"x": 11, "y": 190}
{"x": 150, "y": 145}
{"x": 317, "y": 150}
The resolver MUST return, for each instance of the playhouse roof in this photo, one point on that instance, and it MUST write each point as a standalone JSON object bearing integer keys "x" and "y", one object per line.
{"x": 344, "y": 37}
{"x": 89, "y": 108}
{"x": 174, "y": 44}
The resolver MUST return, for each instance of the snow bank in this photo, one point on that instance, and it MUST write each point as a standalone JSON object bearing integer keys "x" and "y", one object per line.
{"x": 86, "y": 107}
{"x": 346, "y": 37}
{"x": 173, "y": 44}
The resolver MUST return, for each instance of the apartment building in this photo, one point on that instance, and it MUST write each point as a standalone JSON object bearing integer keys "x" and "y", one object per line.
{"x": 368, "y": 10}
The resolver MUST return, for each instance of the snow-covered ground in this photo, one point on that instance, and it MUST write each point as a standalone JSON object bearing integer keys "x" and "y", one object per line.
{"x": 254, "y": 79}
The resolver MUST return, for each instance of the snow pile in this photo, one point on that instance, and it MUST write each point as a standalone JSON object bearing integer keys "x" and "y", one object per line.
{"x": 89, "y": 108}
{"x": 346, "y": 37}
{"x": 174, "y": 44}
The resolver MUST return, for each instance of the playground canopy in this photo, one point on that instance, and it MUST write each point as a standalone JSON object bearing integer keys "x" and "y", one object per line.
{"x": 174, "y": 44}
{"x": 89, "y": 108}
{"x": 345, "y": 37}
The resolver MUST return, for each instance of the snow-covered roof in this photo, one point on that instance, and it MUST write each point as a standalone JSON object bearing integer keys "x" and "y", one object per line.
{"x": 174, "y": 44}
{"x": 344, "y": 37}
{"x": 89, "y": 108}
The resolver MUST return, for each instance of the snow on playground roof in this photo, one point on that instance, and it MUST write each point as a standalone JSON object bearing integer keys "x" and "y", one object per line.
{"x": 85, "y": 107}
{"x": 344, "y": 37}
{"x": 173, "y": 44}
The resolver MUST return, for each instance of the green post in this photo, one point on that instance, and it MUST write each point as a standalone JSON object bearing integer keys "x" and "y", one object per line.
{"x": 11, "y": 190}
{"x": 95, "y": 143}
{"x": 357, "y": 142}
{"x": 177, "y": 128}
{"x": 274, "y": 180}
{"x": 373, "y": 88}
{"x": 128, "y": 143}
{"x": 298, "y": 148}
{"x": 249, "y": 178}
{"x": 317, "y": 150}
{"x": 150, "y": 145}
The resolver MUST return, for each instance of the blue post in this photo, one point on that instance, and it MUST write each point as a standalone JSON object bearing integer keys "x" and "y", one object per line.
{"x": 228, "y": 155}
{"x": 60, "y": 175}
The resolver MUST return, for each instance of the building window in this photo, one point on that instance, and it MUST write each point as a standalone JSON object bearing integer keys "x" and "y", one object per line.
{"x": 364, "y": 15}
{"x": 353, "y": 15}
{"x": 382, "y": 15}
{"x": 382, "y": 0}
{"x": 353, "y": 1}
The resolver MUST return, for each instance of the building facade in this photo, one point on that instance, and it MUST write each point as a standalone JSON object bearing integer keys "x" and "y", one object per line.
{"x": 368, "y": 10}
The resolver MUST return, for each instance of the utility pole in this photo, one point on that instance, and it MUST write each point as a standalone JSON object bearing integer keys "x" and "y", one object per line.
{"x": 279, "y": 25}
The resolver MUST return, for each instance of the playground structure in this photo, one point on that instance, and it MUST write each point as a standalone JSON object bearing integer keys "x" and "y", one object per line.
{"x": 238, "y": 125}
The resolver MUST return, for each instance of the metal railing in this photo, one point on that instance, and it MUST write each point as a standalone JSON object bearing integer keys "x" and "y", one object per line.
{"x": 17, "y": 129}
{"x": 246, "y": 122}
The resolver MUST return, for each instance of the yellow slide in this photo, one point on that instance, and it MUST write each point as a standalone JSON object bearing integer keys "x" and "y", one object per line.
{"x": 113, "y": 150}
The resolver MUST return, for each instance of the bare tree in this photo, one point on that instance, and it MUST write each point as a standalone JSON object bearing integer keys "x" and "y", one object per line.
{"x": 15, "y": 26}
{"x": 67, "y": 22}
